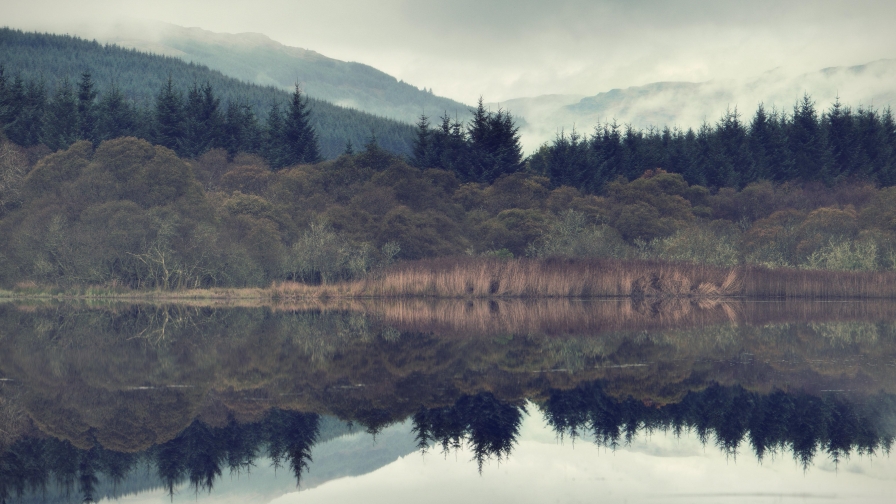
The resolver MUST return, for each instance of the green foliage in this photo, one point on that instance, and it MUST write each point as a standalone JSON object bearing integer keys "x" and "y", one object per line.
{"x": 571, "y": 235}
{"x": 40, "y": 62}
{"x": 708, "y": 245}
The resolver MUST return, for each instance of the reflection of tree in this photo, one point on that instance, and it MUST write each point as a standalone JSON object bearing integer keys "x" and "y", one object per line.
{"x": 779, "y": 421}
{"x": 489, "y": 426}
{"x": 290, "y": 438}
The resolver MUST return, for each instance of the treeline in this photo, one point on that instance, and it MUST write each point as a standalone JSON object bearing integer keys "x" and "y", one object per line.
{"x": 197, "y": 455}
{"x": 728, "y": 416}
{"x": 190, "y": 124}
{"x": 42, "y": 62}
{"x": 133, "y": 214}
{"x": 802, "y": 424}
{"x": 480, "y": 151}
{"x": 804, "y": 145}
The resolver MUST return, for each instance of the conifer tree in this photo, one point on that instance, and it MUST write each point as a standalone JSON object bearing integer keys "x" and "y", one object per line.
{"x": 169, "y": 117}
{"x": 422, "y": 144}
{"x": 273, "y": 141}
{"x": 60, "y": 126}
{"x": 25, "y": 111}
{"x": 240, "y": 129}
{"x": 807, "y": 143}
{"x": 298, "y": 137}
{"x": 494, "y": 144}
{"x": 202, "y": 121}
{"x": 116, "y": 116}
{"x": 87, "y": 118}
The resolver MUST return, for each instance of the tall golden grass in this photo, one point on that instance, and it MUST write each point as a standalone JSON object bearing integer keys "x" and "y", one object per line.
{"x": 598, "y": 278}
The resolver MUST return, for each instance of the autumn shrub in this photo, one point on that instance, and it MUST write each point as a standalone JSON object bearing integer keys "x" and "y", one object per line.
{"x": 571, "y": 235}
{"x": 322, "y": 255}
{"x": 844, "y": 255}
{"x": 707, "y": 244}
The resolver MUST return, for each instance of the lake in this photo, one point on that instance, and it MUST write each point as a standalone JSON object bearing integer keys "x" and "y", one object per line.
{"x": 663, "y": 400}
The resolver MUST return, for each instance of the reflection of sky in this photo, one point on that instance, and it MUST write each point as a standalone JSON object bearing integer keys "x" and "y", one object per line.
{"x": 656, "y": 468}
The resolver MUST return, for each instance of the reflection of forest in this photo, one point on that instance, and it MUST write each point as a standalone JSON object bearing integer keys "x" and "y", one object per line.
{"x": 128, "y": 378}
{"x": 800, "y": 423}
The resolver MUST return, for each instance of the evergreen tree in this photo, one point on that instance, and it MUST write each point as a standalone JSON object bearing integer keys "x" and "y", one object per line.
{"x": 60, "y": 126}
{"x": 240, "y": 129}
{"x": 606, "y": 153}
{"x": 807, "y": 143}
{"x": 87, "y": 119}
{"x": 887, "y": 175}
{"x": 116, "y": 116}
{"x": 422, "y": 144}
{"x": 568, "y": 162}
{"x": 734, "y": 154}
{"x": 202, "y": 122}
{"x": 494, "y": 144}
{"x": 841, "y": 139}
{"x": 298, "y": 137}
{"x": 273, "y": 142}
{"x": 759, "y": 139}
{"x": 25, "y": 111}
{"x": 169, "y": 117}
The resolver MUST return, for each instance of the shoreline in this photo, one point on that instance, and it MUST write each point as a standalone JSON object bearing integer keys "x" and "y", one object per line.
{"x": 489, "y": 278}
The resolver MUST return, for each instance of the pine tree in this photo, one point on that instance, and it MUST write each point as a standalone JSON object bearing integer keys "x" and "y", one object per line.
{"x": 169, "y": 117}
{"x": 887, "y": 175}
{"x": 273, "y": 141}
{"x": 60, "y": 126}
{"x": 27, "y": 102}
{"x": 240, "y": 129}
{"x": 807, "y": 143}
{"x": 202, "y": 122}
{"x": 299, "y": 139}
{"x": 87, "y": 108}
{"x": 422, "y": 144}
{"x": 116, "y": 116}
{"x": 494, "y": 144}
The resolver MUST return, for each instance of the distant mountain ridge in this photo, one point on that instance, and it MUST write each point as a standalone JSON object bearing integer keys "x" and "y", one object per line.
{"x": 256, "y": 58}
{"x": 689, "y": 104}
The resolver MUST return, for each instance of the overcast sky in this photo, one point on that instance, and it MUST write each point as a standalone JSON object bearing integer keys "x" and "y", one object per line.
{"x": 504, "y": 49}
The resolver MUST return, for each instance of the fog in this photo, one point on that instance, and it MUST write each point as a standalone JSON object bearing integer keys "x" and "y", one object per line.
{"x": 506, "y": 49}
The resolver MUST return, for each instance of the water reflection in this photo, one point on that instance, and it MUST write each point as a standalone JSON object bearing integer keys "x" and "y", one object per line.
{"x": 94, "y": 398}
{"x": 801, "y": 424}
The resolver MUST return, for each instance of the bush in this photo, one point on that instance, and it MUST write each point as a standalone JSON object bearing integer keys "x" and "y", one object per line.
{"x": 570, "y": 235}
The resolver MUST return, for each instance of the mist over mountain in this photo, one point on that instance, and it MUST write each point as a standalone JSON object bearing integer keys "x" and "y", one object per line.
{"x": 689, "y": 104}
{"x": 256, "y": 58}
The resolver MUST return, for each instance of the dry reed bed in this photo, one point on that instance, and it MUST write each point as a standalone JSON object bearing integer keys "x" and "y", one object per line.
{"x": 597, "y": 278}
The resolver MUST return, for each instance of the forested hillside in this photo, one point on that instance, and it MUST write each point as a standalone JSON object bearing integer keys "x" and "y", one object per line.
{"x": 44, "y": 61}
{"x": 255, "y": 58}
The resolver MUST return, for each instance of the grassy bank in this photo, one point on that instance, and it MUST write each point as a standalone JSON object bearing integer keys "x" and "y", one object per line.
{"x": 469, "y": 277}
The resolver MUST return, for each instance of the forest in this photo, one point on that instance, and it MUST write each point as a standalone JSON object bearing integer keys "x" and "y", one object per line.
{"x": 190, "y": 187}
{"x": 36, "y": 65}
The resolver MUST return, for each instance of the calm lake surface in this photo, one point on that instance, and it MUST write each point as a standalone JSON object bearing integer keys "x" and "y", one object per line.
{"x": 397, "y": 401}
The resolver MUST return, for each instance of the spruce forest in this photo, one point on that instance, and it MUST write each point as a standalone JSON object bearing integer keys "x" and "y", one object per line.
{"x": 119, "y": 168}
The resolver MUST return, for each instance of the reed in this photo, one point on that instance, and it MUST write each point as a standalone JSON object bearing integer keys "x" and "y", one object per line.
{"x": 485, "y": 277}
{"x": 480, "y": 277}
{"x": 599, "y": 278}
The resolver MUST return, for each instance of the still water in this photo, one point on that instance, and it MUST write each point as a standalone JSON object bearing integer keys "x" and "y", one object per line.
{"x": 560, "y": 401}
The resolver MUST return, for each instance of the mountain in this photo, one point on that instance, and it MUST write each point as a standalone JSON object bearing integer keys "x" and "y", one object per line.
{"x": 140, "y": 76}
{"x": 255, "y": 58}
{"x": 689, "y": 104}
